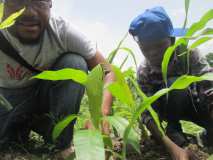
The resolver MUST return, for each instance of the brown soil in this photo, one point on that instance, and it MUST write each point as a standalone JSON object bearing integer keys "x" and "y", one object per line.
{"x": 149, "y": 151}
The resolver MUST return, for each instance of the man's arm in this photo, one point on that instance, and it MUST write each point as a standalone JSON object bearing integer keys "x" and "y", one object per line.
{"x": 176, "y": 152}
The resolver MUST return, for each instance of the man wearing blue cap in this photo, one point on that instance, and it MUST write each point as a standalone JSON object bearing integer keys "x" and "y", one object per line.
{"x": 154, "y": 33}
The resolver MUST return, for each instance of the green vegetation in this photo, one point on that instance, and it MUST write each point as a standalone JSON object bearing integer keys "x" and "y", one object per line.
{"x": 130, "y": 102}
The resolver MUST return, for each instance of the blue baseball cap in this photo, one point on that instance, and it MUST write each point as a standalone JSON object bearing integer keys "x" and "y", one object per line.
{"x": 154, "y": 24}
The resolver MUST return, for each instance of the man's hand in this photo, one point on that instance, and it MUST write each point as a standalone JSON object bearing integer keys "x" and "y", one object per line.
{"x": 88, "y": 125}
{"x": 105, "y": 126}
{"x": 184, "y": 154}
{"x": 107, "y": 97}
{"x": 178, "y": 153}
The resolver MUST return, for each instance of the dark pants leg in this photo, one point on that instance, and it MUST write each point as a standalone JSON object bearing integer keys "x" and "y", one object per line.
{"x": 183, "y": 107}
{"x": 14, "y": 123}
{"x": 178, "y": 107}
{"x": 39, "y": 107}
{"x": 62, "y": 98}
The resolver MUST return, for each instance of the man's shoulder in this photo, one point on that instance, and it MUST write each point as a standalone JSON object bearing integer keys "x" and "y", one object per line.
{"x": 57, "y": 23}
{"x": 61, "y": 24}
{"x": 65, "y": 29}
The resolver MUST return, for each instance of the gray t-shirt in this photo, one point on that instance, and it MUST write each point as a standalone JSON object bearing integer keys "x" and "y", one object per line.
{"x": 58, "y": 38}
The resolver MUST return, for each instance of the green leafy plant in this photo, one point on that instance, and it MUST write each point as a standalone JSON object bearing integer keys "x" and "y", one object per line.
{"x": 91, "y": 142}
{"x": 9, "y": 21}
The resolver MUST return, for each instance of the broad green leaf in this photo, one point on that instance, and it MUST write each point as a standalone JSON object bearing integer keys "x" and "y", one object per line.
{"x": 207, "y": 76}
{"x": 121, "y": 92}
{"x": 64, "y": 74}
{"x": 185, "y": 80}
{"x": 187, "y": 2}
{"x": 120, "y": 123}
{"x": 167, "y": 56}
{"x": 146, "y": 104}
{"x": 60, "y": 126}
{"x": 94, "y": 87}
{"x": 200, "y": 24}
{"x": 181, "y": 83}
{"x": 210, "y": 158}
{"x": 207, "y": 31}
{"x": 1, "y": 10}
{"x": 108, "y": 141}
{"x": 11, "y": 19}
{"x": 200, "y": 42}
{"x": 118, "y": 74}
{"x": 120, "y": 89}
{"x": 89, "y": 145}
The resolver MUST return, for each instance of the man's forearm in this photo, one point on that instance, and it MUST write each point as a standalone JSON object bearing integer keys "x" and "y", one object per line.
{"x": 107, "y": 97}
{"x": 174, "y": 150}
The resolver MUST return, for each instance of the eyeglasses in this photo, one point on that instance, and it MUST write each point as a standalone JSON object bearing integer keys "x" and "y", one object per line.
{"x": 37, "y": 4}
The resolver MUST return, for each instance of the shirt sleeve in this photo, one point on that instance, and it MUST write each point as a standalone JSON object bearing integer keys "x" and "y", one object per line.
{"x": 75, "y": 41}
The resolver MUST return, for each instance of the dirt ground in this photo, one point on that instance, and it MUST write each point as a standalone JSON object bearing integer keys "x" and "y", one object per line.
{"x": 150, "y": 150}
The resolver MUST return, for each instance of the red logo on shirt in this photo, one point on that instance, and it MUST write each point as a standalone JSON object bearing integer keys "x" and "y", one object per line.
{"x": 16, "y": 73}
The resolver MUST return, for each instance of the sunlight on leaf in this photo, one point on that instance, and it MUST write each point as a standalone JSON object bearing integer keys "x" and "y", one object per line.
{"x": 200, "y": 42}
{"x": 78, "y": 76}
{"x": 94, "y": 88}
{"x": 11, "y": 19}
{"x": 120, "y": 123}
{"x": 120, "y": 89}
{"x": 89, "y": 145}
{"x": 200, "y": 24}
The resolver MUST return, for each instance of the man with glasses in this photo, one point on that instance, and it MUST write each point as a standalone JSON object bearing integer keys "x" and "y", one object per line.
{"x": 46, "y": 43}
{"x": 154, "y": 33}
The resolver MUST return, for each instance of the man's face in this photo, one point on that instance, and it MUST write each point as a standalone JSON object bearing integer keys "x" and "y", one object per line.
{"x": 154, "y": 51}
{"x": 30, "y": 26}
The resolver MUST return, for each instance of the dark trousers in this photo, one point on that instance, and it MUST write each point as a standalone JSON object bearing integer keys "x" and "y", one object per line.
{"x": 182, "y": 106}
{"x": 40, "y": 106}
